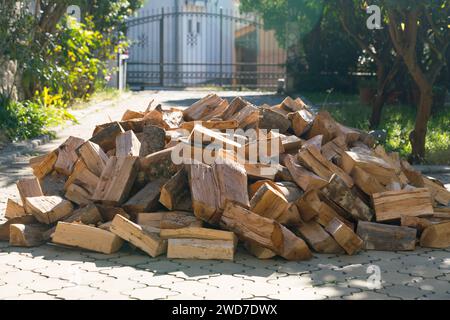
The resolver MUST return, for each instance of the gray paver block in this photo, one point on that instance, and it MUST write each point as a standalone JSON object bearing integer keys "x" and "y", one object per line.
{"x": 76, "y": 293}
{"x": 151, "y": 293}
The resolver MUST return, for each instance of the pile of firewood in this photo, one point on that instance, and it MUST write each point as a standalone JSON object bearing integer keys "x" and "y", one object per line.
{"x": 334, "y": 189}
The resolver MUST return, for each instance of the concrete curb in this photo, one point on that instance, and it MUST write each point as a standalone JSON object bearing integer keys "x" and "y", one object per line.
{"x": 17, "y": 149}
{"x": 432, "y": 169}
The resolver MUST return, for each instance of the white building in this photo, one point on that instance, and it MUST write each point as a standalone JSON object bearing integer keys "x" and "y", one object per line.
{"x": 198, "y": 42}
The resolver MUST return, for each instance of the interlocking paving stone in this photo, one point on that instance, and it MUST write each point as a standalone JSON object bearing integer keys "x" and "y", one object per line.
{"x": 37, "y": 296}
{"x": 403, "y": 292}
{"x": 334, "y": 291}
{"x": 151, "y": 293}
{"x": 431, "y": 286}
{"x": 12, "y": 291}
{"x": 118, "y": 285}
{"x": 160, "y": 265}
{"x": 47, "y": 284}
{"x": 296, "y": 294}
{"x": 76, "y": 293}
{"x": 156, "y": 280}
{"x": 368, "y": 295}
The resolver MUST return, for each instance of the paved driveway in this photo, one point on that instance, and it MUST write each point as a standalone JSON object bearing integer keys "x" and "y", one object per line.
{"x": 51, "y": 272}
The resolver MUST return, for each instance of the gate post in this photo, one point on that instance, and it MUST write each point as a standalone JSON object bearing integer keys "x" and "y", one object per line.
{"x": 161, "y": 49}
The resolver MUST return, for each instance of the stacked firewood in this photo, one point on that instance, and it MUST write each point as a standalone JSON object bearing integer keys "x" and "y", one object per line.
{"x": 331, "y": 190}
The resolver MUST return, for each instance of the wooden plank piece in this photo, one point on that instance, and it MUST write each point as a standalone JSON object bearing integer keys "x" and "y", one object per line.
{"x": 150, "y": 243}
{"x": 200, "y": 249}
{"x": 86, "y": 237}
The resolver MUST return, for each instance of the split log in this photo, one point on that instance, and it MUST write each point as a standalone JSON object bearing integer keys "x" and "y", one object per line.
{"x": 231, "y": 180}
{"x": 438, "y": 192}
{"x": 131, "y": 115}
{"x": 83, "y": 177}
{"x": 43, "y": 165}
{"x": 67, "y": 155}
{"x": 106, "y": 137}
{"x": 200, "y": 249}
{"x": 334, "y": 148}
{"x": 436, "y": 236}
{"x": 179, "y": 219}
{"x": 415, "y": 177}
{"x": 108, "y": 213}
{"x": 29, "y": 188}
{"x": 153, "y": 140}
{"x": 86, "y": 237}
{"x": 4, "y": 227}
{"x": 309, "y": 205}
{"x": 127, "y": 144}
{"x": 311, "y": 158}
{"x": 301, "y": 121}
{"x": 315, "y": 141}
{"x": 325, "y": 125}
{"x": 48, "y": 209}
{"x": 235, "y": 106}
{"x": 94, "y": 157}
{"x": 22, "y": 235}
{"x": 212, "y": 125}
{"x": 261, "y": 171}
{"x": 212, "y": 187}
{"x": 204, "y": 188}
{"x": 14, "y": 210}
{"x": 248, "y": 117}
{"x": 259, "y": 251}
{"x": 265, "y": 232}
{"x": 77, "y": 195}
{"x": 326, "y": 214}
{"x": 303, "y": 177}
{"x": 89, "y": 215}
{"x": 201, "y": 135}
{"x": 198, "y": 233}
{"x": 153, "y": 219}
{"x": 383, "y": 237}
{"x": 374, "y": 166}
{"x": 116, "y": 180}
{"x": 207, "y": 108}
{"x": 355, "y": 209}
{"x": 367, "y": 183}
{"x": 344, "y": 236}
{"x": 417, "y": 223}
{"x": 146, "y": 199}
{"x": 269, "y": 202}
{"x": 270, "y": 119}
{"x": 159, "y": 164}
{"x": 175, "y": 194}
{"x": 293, "y": 105}
{"x": 390, "y": 205}
{"x": 150, "y": 243}
{"x": 317, "y": 238}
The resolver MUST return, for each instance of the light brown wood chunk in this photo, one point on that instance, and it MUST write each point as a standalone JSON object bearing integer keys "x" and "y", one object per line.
{"x": 200, "y": 249}
{"x": 344, "y": 236}
{"x": 391, "y": 205}
{"x": 48, "y": 209}
{"x": 150, "y": 243}
{"x": 86, "y": 237}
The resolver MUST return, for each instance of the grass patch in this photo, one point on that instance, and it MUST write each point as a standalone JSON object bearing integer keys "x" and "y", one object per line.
{"x": 397, "y": 120}
{"x": 104, "y": 94}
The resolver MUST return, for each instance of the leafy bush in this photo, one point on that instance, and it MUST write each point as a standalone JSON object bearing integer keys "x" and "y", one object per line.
{"x": 31, "y": 118}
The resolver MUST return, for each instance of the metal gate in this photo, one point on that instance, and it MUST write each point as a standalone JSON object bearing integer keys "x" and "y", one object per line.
{"x": 192, "y": 48}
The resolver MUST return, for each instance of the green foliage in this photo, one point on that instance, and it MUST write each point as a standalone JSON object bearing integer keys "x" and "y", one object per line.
{"x": 397, "y": 121}
{"x": 31, "y": 118}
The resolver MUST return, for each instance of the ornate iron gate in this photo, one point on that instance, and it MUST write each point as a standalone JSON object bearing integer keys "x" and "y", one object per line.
{"x": 173, "y": 48}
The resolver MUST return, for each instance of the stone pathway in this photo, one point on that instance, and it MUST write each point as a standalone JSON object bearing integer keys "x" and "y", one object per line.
{"x": 52, "y": 272}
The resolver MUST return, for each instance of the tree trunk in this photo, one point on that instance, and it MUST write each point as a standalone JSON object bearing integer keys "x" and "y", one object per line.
{"x": 377, "y": 109}
{"x": 380, "y": 99}
{"x": 418, "y": 136}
